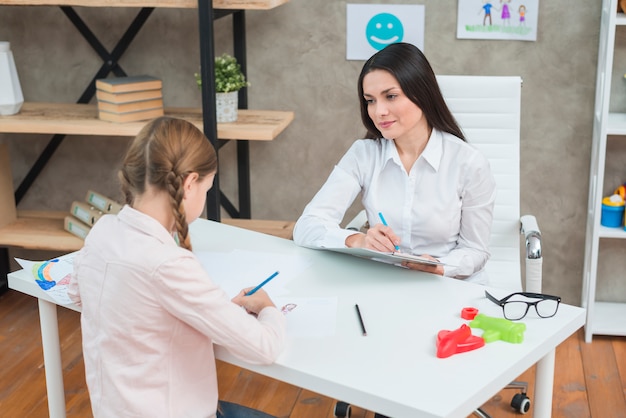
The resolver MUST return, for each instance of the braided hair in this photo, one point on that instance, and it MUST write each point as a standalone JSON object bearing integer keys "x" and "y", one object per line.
{"x": 162, "y": 155}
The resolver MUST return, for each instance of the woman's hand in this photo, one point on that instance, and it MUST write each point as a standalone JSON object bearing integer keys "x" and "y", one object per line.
{"x": 435, "y": 269}
{"x": 379, "y": 238}
{"x": 254, "y": 303}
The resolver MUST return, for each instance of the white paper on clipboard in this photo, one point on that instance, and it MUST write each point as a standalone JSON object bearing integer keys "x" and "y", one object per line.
{"x": 386, "y": 257}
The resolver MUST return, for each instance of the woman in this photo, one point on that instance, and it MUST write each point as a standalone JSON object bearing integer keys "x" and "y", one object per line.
{"x": 150, "y": 313}
{"x": 435, "y": 190}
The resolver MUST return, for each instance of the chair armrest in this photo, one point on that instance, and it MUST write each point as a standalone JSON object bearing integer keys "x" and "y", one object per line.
{"x": 531, "y": 232}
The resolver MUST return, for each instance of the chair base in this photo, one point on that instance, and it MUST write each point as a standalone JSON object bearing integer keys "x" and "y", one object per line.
{"x": 343, "y": 410}
{"x": 520, "y": 401}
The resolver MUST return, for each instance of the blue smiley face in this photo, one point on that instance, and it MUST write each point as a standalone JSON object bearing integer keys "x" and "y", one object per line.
{"x": 384, "y": 29}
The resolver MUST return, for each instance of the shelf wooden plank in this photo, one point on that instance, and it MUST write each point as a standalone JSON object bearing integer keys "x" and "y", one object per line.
{"x": 82, "y": 119}
{"x": 281, "y": 229}
{"x": 39, "y": 230}
{"x": 43, "y": 230}
{"x": 180, "y": 4}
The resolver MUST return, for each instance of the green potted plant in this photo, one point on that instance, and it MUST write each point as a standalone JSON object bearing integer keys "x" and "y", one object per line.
{"x": 229, "y": 79}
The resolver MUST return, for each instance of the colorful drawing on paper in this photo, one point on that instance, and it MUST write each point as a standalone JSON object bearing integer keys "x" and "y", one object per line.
{"x": 498, "y": 19}
{"x": 52, "y": 276}
{"x": 45, "y": 278}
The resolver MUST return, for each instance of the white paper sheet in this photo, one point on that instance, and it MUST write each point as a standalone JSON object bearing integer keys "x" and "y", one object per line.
{"x": 309, "y": 317}
{"x": 240, "y": 269}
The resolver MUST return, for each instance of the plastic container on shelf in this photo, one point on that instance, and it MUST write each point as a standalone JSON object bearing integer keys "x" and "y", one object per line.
{"x": 11, "y": 98}
{"x": 612, "y": 211}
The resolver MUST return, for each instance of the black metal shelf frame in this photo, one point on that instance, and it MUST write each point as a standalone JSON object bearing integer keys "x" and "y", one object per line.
{"x": 206, "y": 15}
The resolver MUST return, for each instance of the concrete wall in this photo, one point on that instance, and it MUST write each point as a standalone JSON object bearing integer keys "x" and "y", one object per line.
{"x": 297, "y": 62}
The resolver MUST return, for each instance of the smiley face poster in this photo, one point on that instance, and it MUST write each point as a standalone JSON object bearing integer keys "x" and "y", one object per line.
{"x": 371, "y": 27}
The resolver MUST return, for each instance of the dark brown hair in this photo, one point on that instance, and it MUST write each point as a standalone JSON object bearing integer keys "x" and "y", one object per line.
{"x": 162, "y": 155}
{"x": 417, "y": 80}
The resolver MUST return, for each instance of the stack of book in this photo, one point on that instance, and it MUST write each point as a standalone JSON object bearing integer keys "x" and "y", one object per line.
{"x": 83, "y": 215}
{"x": 129, "y": 99}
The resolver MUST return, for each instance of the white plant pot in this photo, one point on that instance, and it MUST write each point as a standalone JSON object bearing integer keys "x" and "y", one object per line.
{"x": 226, "y": 106}
{"x": 11, "y": 98}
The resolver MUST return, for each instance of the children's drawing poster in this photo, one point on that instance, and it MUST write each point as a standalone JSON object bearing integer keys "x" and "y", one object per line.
{"x": 371, "y": 27}
{"x": 498, "y": 19}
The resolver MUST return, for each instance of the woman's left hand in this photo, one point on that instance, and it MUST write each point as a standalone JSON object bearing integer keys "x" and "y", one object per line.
{"x": 435, "y": 269}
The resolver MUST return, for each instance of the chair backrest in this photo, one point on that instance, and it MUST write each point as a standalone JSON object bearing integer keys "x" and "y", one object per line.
{"x": 488, "y": 110}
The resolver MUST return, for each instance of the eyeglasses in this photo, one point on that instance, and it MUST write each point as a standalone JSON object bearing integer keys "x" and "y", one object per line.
{"x": 514, "y": 310}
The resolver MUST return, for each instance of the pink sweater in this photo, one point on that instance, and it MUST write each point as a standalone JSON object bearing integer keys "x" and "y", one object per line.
{"x": 150, "y": 316}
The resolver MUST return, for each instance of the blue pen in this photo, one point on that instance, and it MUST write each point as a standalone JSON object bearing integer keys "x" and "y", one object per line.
{"x": 382, "y": 219}
{"x": 263, "y": 283}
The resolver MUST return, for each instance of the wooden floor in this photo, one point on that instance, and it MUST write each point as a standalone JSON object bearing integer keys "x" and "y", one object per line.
{"x": 590, "y": 379}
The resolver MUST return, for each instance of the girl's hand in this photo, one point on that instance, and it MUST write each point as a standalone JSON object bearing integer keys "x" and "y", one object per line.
{"x": 435, "y": 269}
{"x": 254, "y": 303}
{"x": 379, "y": 238}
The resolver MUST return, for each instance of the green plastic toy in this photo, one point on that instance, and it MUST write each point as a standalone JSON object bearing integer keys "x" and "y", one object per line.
{"x": 499, "y": 329}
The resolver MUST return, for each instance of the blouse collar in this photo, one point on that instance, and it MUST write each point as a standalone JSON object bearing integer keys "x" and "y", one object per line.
{"x": 432, "y": 152}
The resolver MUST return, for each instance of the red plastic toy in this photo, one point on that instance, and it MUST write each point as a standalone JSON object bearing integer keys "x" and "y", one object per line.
{"x": 457, "y": 341}
{"x": 469, "y": 313}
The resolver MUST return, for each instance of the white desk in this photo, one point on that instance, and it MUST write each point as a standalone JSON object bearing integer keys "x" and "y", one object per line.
{"x": 393, "y": 370}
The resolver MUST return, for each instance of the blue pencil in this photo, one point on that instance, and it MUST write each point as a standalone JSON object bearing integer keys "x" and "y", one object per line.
{"x": 382, "y": 219}
{"x": 263, "y": 283}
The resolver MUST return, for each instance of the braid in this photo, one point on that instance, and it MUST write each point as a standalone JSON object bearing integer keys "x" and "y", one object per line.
{"x": 176, "y": 191}
{"x": 164, "y": 153}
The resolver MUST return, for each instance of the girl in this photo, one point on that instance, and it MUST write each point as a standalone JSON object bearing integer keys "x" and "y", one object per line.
{"x": 435, "y": 190}
{"x": 150, "y": 314}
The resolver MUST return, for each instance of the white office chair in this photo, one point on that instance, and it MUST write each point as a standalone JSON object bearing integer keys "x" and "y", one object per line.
{"x": 488, "y": 109}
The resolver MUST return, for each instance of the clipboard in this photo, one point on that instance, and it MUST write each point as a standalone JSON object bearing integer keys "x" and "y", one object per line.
{"x": 385, "y": 257}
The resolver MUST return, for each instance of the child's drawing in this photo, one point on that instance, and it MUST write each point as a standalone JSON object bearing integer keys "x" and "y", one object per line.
{"x": 495, "y": 19}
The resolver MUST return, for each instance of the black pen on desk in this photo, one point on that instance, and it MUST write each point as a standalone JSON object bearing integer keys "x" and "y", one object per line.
{"x": 358, "y": 312}
{"x": 382, "y": 219}
{"x": 263, "y": 283}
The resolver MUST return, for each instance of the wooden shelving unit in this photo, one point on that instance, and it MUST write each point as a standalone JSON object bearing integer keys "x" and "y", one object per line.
{"x": 43, "y": 230}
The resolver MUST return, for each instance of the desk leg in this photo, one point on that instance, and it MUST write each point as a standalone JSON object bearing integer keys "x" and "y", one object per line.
{"x": 544, "y": 383}
{"x": 52, "y": 358}
{"x": 5, "y": 269}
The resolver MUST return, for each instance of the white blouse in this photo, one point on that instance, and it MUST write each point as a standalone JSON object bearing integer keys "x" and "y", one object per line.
{"x": 443, "y": 207}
